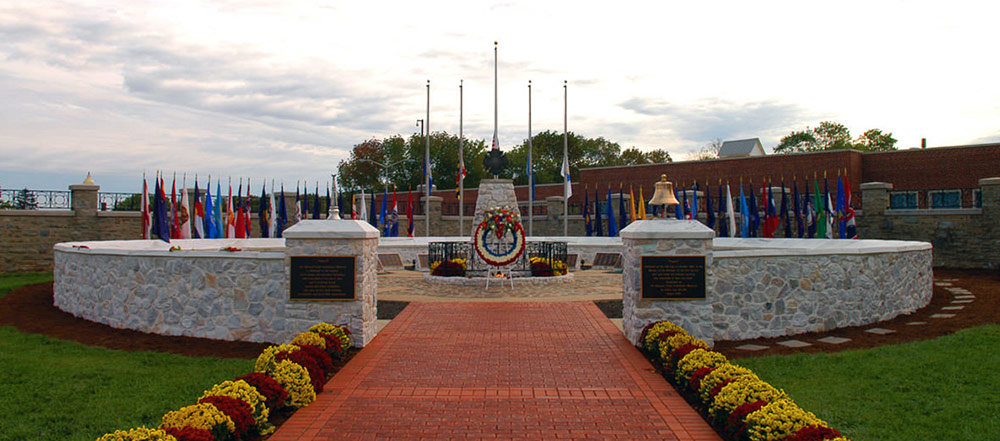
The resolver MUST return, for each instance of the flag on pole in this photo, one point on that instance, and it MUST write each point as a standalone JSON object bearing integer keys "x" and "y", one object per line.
{"x": 282, "y": 214}
{"x": 598, "y": 226}
{"x": 622, "y": 214}
{"x": 230, "y": 215}
{"x": 828, "y": 207}
{"x": 744, "y": 213}
{"x": 340, "y": 206}
{"x": 784, "y": 211}
{"x": 612, "y": 227}
{"x": 687, "y": 207}
{"x": 246, "y": 210}
{"x": 161, "y": 222}
{"x": 567, "y": 185}
{"x": 754, "y": 213}
{"x": 694, "y": 201}
{"x": 147, "y": 219}
{"x": 729, "y": 211}
{"x": 631, "y": 203}
{"x": 679, "y": 208}
{"x": 394, "y": 220}
{"x": 183, "y": 212}
{"x": 211, "y": 232}
{"x": 373, "y": 214}
{"x": 852, "y": 229}
{"x": 241, "y": 228}
{"x": 841, "y": 212}
{"x": 298, "y": 204}
{"x": 220, "y": 229}
{"x": 272, "y": 215}
{"x": 642, "y": 205}
{"x": 199, "y": 213}
{"x": 586, "y": 215}
{"x": 818, "y": 228}
{"x": 409, "y": 213}
{"x": 709, "y": 212}
{"x": 723, "y": 220}
{"x": 800, "y": 227}
{"x": 769, "y": 222}
{"x": 316, "y": 203}
{"x": 263, "y": 214}
{"x": 354, "y": 205}
{"x": 384, "y": 215}
{"x": 364, "y": 207}
{"x": 328, "y": 202}
{"x": 175, "y": 222}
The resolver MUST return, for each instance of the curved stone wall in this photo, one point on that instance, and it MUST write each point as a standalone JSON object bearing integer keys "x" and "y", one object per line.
{"x": 769, "y": 295}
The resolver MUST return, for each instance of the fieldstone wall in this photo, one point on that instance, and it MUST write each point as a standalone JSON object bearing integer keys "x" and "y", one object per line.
{"x": 495, "y": 193}
{"x": 227, "y": 296}
{"x": 771, "y": 296}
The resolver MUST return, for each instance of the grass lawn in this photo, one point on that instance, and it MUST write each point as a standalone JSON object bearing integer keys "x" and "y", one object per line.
{"x": 58, "y": 390}
{"x": 947, "y": 388}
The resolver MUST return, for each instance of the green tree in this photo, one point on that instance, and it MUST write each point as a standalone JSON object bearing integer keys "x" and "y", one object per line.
{"x": 709, "y": 151}
{"x": 25, "y": 200}
{"x": 832, "y": 136}
{"x": 803, "y": 141}
{"x": 874, "y": 140}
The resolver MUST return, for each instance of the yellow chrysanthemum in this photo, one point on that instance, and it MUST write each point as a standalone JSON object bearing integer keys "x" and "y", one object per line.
{"x": 743, "y": 390}
{"x": 201, "y": 416}
{"x": 265, "y": 361}
{"x": 138, "y": 434}
{"x": 295, "y": 380}
{"x": 695, "y": 360}
{"x": 723, "y": 372}
{"x": 675, "y": 341}
{"x": 326, "y": 328}
{"x": 652, "y": 341}
{"x": 779, "y": 420}
{"x": 309, "y": 338}
{"x": 241, "y": 390}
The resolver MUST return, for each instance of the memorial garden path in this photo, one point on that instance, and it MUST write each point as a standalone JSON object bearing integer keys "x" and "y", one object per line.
{"x": 503, "y": 370}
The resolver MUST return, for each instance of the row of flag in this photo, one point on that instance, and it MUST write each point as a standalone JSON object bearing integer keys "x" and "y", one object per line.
{"x": 819, "y": 215}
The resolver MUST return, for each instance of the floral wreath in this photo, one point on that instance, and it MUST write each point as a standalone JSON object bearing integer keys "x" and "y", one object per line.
{"x": 499, "y": 221}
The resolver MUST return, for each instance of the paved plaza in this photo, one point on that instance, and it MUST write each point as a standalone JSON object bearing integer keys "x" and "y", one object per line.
{"x": 498, "y": 370}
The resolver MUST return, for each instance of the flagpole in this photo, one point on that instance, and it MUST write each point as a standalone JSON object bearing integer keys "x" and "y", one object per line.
{"x": 427, "y": 161}
{"x": 565, "y": 158}
{"x": 495, "y": 69}
{"x": 531, "y": 174}
{"x": 461, "y": 165}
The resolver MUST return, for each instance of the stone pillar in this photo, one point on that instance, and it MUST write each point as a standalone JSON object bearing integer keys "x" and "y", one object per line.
{"x": 83, "y": 199}
{"x": 432, "y": 214}
{"x": 336, "y": 238}
{"x": 875, "y": 198}
{"x": 990, "y": 188}
{"x": 496, "y": 193}
{"x": 665, "y": 237}
{"x": 554, "y": 205}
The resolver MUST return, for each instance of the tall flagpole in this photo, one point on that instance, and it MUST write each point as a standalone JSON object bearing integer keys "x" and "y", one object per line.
{"x": 566, "y": 158}
{"x": 461, "y": 166}
{"x": 427, "y": 163}
{"x": 531, "y": 174}
{"x": 495, "y": 69}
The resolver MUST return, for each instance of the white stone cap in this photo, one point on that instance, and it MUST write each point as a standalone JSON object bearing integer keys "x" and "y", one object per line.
{"x": 876, "y": 186}
{"x": 331, "y": 229}
{"x": 759, "y": 247}
{"x": 989, "y": 181}
{"x": 92, "y": 187}
{"x": 667, "y": 229}
{"x": 198, "y": 248}
{"x": 496, "y": 181}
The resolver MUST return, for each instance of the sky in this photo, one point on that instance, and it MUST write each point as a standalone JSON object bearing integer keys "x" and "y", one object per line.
{"x": 283, "y": 90}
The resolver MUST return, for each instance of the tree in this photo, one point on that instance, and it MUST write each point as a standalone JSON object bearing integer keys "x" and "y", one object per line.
{"x": 875, "y": 141}
{"x": 831, "y": 136}
{"x": 25, "y": 200}
{"x": 709, "y": 151}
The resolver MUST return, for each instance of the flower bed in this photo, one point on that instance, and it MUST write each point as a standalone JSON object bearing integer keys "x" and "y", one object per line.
{"x": 285, "y": 378}
{"x": 452, "y": 268}
{"x": 542, "y": 267}
{"x": 738, "y": 404}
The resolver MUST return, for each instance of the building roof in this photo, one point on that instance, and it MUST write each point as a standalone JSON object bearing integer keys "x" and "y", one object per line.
{"x": 741, "y": 147}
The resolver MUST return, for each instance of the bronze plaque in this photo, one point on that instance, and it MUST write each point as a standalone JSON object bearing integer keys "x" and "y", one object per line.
{"x": 608, "y": 260}
{"x": 322, "y": 278}
{"x": 673, "y": 277}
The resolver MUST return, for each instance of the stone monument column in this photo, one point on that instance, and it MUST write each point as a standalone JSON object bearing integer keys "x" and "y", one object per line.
{"x": 330, "y": 269}
{"x": 83, "y": 197}
{"x": 666, "y": 269}
{"x": 495, "y": 193}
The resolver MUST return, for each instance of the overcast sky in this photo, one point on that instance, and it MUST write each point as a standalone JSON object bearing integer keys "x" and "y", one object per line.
{"x": 283, "y": 89}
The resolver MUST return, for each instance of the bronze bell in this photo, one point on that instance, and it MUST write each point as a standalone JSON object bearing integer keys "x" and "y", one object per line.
{"x": 664, "y": 194}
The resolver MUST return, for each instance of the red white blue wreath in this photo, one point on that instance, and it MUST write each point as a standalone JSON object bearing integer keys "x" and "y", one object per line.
{"x": 501, "y": 257}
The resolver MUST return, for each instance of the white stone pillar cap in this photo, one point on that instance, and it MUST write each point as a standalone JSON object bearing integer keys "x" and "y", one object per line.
{"x": 667, "y": 229}
{"x": 331, "y": 229}
{"x": 876, "y": 186}
{"x": 989, "y": 181}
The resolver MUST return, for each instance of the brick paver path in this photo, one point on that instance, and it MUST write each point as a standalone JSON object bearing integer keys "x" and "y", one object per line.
{"x": 498, "y": 371}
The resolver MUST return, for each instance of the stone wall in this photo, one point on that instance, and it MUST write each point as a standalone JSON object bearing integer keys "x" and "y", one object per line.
{"x": 775, "y": 295}
{"x": 962, "y": 238}
{"x": 27, "y": 236}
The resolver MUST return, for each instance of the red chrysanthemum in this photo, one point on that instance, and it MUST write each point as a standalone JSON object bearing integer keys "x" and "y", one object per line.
{"x": 320, "y": 356}
{"x": 268, "y": 387}
{"x": 301, "y": 358}
{"x": 189, "y": 433}
{"x": 332, "y": 344}
{"x": 814, "y": 433}
{"x": 698, "y": 375}
{"x": 645, "y": 330}
{"x": 346, "y": 331}
{"x": 237, "y": 410}
{"x": 736, "y": 423}
{"x": 667, "y": 334}
{"x": 677, "y": 354}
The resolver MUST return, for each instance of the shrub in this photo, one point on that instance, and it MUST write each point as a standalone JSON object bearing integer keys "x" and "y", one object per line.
{"x": 694, "y": 360}
{"x": 274, "y": 394}
{"x": 265, "y": 361}
{"x": 651, "y": 339}
{"x": 673, "y": 342}
{"x": 316, "y": 375}
{"x": 742, "y": 390}
{"x": 720, "y": 374}
{"x": 237, "y": 410}
{"x": 295, "y": 380}
{"x": 736, "y": 423}
{"x": 309, "y": 338}
{"x": 815, "y": 433}
{"x": 243, "y": 391}
{"x": 779, "y": 420}
{"x": 201, "y": 416}
{"x": 341, "y": 332}
{"x": 697, "y": 376}
{"x": 138, "y": 434}
{"x": 190, "y": 434}
{"x": 318, "y": 355}
{"x": 678, "y": 353}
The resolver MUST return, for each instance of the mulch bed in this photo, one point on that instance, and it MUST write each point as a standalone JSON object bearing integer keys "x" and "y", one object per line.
{"x": 985, "y": 309}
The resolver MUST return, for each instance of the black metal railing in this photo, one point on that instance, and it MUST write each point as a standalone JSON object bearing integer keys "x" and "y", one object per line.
{"x": 120, "y": 201}
{"x": 35, "y": 199}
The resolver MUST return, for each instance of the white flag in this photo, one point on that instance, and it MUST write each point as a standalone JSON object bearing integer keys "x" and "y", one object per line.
{"x": 729, "y": 212}
{"x": 568, "y": 190}
{"x": 184, "y": 211}
{"x": 272, "y": 218}
{"x": 364, "y": 206}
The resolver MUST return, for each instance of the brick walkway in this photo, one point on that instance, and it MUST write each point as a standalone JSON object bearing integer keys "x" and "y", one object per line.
{"x": 511, "y": 371}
